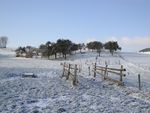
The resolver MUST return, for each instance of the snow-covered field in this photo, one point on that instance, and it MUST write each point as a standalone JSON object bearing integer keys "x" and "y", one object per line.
{"x": 50, "y": 94}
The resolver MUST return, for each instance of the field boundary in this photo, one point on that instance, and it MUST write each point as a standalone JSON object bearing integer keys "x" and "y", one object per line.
{"x": 105, "y": 70}
{"x": 70, "y": 73}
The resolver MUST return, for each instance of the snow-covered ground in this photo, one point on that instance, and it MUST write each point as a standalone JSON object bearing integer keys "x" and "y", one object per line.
{"x": 148, "y": 52}
{"x": 50, "y": 94}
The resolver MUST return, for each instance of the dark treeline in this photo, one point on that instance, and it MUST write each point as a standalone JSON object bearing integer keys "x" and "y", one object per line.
{"x": 112, "y": 46}
{"x": 64, "y": 47}
{"x": 61, "y": 48}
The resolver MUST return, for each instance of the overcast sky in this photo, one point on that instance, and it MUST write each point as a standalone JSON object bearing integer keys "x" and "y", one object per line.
{"x": 32, "y": 22}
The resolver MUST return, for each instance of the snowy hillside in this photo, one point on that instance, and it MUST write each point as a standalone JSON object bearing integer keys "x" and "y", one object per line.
{"x": 148, "y": 52}
{"x": 6, "y": 52}
{"x": 145, "y": 51}
{"x": 50, "y": 94}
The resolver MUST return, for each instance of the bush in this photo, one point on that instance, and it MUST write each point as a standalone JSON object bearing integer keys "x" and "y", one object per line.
{"x": 17, "y": 55}
{"x": 29, "y": 55}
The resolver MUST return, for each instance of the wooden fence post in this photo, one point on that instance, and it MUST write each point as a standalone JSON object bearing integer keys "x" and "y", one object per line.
{"x": 121, "y": 74}
{"x": 105, "y": 73}
{"x": 63, "y": 70}
{"x": 95, "y": 70}
{"x": 79, "y": 68}
{"x": 139, "y": 81}
{"x": 89, "y": 70}
{"x": 68, "y": 72}
{"x": 74, "y": 82}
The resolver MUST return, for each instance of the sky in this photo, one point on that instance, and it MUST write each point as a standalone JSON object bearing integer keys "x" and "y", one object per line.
{"x": 33, "y": 22}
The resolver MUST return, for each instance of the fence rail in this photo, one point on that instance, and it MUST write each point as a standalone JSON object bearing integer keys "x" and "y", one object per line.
{"x": 70, "y": 72}
{"x": 104, "y": 71}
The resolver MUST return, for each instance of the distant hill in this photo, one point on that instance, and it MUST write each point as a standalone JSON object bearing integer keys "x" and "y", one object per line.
{"x": 145, "y": 50}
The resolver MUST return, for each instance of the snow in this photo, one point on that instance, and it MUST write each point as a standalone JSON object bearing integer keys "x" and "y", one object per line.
{"x": 49, "y": 93}
{"x": 148, "y": 52}
{"x": 7, "y": 51}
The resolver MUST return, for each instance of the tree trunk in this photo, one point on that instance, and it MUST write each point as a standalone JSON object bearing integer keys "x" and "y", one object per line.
{"x": 99, "y": 53}
{"x": 55, "y": 55}
{"x": 112, "y": 52}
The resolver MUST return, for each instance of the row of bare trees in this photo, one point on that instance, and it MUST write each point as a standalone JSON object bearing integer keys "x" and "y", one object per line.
{"x": 63, "y": 48}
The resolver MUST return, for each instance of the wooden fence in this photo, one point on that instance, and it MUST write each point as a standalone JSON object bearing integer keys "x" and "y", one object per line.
{"x": 104, "y": 71}
{"x": 70, "y": 72}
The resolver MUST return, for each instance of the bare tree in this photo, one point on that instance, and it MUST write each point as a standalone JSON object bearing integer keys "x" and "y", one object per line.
{"x": 3, "y": 41}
